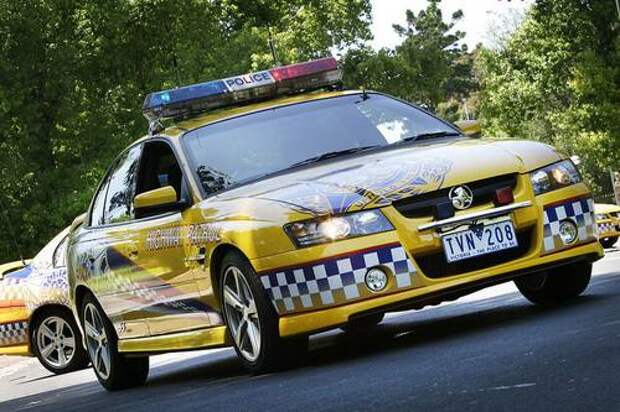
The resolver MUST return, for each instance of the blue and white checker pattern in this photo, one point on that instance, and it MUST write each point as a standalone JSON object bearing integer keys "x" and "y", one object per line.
{"x": 606, "y": 227}
{"x": 13, "y": 333}
{"x": 580, "y": 211}
{"x": 336, "y": 281}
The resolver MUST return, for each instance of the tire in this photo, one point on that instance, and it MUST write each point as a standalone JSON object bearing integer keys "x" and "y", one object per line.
{"x": 359, "y": 325}
{"x": 557, "y": 285}
{"x": 57, "y": 342}
{"x": 114, "y": 370}
{"x": 608, "y": 242}
{"x": 252, "y": 321}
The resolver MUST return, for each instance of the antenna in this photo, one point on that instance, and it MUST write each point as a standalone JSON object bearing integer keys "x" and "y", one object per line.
{"x": 272, "y": 47}
{"x": 12, "y": 233}
{"x": 176, "y": 68}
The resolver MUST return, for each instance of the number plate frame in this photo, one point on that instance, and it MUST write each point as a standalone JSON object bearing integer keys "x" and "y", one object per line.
{"x": 457, "y": 244}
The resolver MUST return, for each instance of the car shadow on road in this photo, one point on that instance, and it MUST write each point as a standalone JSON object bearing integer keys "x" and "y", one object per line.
{"x": 439, "y": 325}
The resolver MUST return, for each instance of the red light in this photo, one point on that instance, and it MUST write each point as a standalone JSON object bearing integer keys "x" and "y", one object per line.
{"x": 303, "y": 69}
{"x": 504, "y": 196}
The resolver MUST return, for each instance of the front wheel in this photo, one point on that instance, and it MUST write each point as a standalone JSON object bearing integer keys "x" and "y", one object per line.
{"x": 557, "y": 285}
{"x": 57, "y": 342}
{"x": 608, "y": 242}
{"x": 252, "y": 321}
{"x": 113, "y": 370}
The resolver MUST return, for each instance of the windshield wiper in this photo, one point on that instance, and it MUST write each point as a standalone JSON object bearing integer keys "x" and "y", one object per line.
{"x": 429, "y": 135}
{"x": 330, "y": 155}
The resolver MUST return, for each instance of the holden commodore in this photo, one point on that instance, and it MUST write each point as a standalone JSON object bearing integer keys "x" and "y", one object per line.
{"x": 608, "y": 221}
{"x": 264, "y": 208}
{"x": 34, "y": 315}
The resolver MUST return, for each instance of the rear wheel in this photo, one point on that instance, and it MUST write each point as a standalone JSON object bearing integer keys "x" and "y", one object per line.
{"x": 556, "y": 285}
{"x": 608, "y": 242}
{"x": 57, "y": 342}
{"x": 114, "y": 370}
{"x": 363, "y": 324}
{"x": 252, "y": 321}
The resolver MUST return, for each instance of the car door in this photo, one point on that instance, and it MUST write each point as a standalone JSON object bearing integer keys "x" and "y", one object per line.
{"x": 106, "y": 248}
{"x": 161, "y": 248}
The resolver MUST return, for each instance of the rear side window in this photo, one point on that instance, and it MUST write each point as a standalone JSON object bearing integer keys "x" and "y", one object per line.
{"x": 121, "y": 187}
{"x": 60, "y": 254}
{"x": 96, "y": 214}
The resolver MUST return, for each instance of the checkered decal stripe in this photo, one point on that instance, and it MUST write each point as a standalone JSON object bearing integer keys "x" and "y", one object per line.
{"x": 336, "y": 281}
{"x": 13, "y": 333}
{"x": 580, "y": 211}
{"x": 606, "y": 227}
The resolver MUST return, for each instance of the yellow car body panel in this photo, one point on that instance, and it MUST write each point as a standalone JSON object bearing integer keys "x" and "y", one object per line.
{"x": 608, "y": 220}
{"x": 156, "y": 278}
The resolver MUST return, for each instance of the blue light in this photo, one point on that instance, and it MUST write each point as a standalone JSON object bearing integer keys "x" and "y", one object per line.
{"x": 184, "y": 94}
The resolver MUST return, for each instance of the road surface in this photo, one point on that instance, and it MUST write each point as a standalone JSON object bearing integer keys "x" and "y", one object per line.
{"x": 489, "y": 351}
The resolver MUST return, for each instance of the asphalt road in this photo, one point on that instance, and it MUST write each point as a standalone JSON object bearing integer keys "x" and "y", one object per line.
{"x": 488, "y": 351}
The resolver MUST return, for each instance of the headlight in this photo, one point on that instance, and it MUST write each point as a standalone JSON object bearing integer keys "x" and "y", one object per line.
{"x": 329, "y": 229}
{"x": 600, "y": 216}
{"x": 554, "y": 176}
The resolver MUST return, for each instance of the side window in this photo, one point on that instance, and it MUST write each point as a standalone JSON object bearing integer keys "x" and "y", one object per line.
{"x": 60, "y": 254}
{"x": 121, "y": 186}
{"x": 160, "y": 168}
{"x": 96, "y": 214}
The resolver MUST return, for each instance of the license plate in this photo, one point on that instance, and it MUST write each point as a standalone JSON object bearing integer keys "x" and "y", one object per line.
{"x": 479, "y": 240}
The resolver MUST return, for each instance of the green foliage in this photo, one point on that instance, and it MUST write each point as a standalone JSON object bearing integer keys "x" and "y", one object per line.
{"x": 73, "y": 76}
{"x": 557, "y": 79}
{"x": 429, "y": 67}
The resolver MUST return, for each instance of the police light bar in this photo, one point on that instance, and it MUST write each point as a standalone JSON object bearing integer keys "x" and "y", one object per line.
{"x": 240, "y": 89}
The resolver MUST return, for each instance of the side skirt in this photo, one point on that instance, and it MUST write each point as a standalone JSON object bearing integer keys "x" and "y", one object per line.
{"x": 176, "y": 342}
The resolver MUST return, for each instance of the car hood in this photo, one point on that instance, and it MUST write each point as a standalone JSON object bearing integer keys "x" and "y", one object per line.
{"x": 379, "y": 178}
{"x": 606, "y": 208}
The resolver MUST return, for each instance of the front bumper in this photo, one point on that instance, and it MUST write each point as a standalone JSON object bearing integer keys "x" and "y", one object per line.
{"x": 322, "y": 287}
{"x": 316, "y": 321}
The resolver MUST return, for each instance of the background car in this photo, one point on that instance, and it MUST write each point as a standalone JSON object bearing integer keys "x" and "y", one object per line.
{"x": 608, "y": 221}
{"x": 34, "y": 317}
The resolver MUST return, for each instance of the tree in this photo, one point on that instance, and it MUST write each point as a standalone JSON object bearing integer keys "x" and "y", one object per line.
{"x": 557, "y": 79}
{"x": 74, "y": 75}
{"x": 430, "y": 66}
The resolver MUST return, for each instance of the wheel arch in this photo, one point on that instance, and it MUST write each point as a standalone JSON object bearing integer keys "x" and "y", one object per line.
{"x": 80, "y": 293}
{"x": 215, "y": 263}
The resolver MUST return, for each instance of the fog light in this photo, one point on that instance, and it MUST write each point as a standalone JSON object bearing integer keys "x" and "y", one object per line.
{"x": 376, "y": 280}
{"x": 568, "y": 232}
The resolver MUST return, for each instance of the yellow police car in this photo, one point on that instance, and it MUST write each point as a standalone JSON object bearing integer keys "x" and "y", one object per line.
{"x": 276, "y": 205}
{"x": 34, "y": 316}
{"x": 608, "y": 221}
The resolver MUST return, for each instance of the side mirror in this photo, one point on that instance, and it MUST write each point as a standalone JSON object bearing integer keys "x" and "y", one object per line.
{"x": 156, "y": 201}
{"x": 469, "y": 128}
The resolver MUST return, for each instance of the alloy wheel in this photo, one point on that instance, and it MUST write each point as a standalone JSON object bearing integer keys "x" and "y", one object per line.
{"x": 55, "y": 341}
{"x": 241, "y": 314}
{"x": 97, "y": 341}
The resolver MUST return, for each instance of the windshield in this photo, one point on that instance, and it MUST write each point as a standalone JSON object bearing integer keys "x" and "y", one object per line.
{"x": 247, "y": 147}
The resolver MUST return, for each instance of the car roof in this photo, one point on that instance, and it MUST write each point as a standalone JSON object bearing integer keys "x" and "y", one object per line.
{"x": 185, "y": 125}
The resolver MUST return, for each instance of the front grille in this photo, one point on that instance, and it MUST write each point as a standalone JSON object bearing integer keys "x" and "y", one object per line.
{"x": 483, "y": 190}
{"x": 435, "y": 265}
